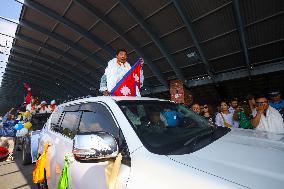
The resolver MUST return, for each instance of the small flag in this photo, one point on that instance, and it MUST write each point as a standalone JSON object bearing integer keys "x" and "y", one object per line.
{"x": 63, "y": 182}
{"x": 38, "y": 172}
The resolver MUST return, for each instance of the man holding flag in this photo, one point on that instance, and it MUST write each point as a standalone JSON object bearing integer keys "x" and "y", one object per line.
{"x": 120, "y": 79}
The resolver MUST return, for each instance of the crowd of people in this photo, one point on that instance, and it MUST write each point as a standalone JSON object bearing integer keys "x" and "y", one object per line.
{"x": 16, "y": 121}
{"x": 256, "y": 112}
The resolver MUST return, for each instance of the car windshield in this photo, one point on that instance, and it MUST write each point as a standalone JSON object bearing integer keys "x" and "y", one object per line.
{"x": 165, "y": 127}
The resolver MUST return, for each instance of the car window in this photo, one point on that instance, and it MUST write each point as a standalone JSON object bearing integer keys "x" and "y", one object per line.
{"x": 168, "y": 128}
{"x": 99, "y": 119}
{"x": 69, "y": 125}
{"x": 71, "y": 108}
{"x": 56, "y": 117}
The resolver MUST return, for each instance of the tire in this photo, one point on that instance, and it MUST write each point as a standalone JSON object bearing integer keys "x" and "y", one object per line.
{"x": 26, "y": 155}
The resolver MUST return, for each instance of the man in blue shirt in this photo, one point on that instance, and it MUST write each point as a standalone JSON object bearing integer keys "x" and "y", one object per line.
{"x": 276, "y": 101}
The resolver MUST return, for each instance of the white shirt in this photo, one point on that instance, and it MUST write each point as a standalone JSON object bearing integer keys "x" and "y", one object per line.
{"x": 29, "y": 107}
{"x": 43, "y": 111}
{"x": 228, "y": 118}
{"x": 232, "y": 110}
{"x": 272, "y": 122}
{"x": 115, "y": 72}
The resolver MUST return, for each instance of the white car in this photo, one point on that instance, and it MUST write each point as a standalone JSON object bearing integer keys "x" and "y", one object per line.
{"x": 164, "y": 146}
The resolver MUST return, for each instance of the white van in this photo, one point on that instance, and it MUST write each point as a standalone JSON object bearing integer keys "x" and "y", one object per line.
{"x": 164, "y": 146}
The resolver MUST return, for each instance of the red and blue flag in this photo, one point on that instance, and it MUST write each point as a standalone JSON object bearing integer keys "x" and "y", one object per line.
{"x": 128, "y": 85}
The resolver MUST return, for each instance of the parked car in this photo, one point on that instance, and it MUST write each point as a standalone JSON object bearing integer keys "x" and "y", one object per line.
{"x": 38, "y": 121}
{"x": 188, "y": 153}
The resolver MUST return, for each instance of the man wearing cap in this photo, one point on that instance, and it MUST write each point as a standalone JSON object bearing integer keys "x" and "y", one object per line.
{"x": 276, "y": 101}
{"x": 42, "y": 108}
{"x": 52, "y": 105}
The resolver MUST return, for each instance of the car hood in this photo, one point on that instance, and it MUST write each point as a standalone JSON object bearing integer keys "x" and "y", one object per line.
{"x": 246, "y": 157}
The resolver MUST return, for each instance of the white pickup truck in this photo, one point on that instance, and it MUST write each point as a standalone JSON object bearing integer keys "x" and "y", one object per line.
{"x": 164, "y": 146}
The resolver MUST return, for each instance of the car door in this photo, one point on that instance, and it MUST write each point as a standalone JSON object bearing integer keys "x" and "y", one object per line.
{"x": 50, "y": 135}
{"x": 97, "y": 117}
{"x": 64, "y": 138}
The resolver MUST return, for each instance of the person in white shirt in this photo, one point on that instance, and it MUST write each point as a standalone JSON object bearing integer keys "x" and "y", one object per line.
{"x": 52, "y": 105}
{"x": 114, "y": 72}
{"x": 266, "y": 118}
{"x": 233, "y": 105}
{"x": 224, "y": 118}
{"x": 43, "y": 108}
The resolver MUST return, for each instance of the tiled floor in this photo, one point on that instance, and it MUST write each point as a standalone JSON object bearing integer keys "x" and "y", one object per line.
{"x": 14, "y": 175}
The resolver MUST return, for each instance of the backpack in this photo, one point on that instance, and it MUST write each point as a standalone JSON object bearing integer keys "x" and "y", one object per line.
{"x": 172, "y": 118}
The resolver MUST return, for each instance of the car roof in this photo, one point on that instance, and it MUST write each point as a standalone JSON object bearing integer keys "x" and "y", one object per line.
{"x": 107, "y": 99}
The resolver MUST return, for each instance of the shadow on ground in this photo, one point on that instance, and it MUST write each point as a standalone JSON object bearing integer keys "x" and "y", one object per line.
{"x": 14, "y": 175}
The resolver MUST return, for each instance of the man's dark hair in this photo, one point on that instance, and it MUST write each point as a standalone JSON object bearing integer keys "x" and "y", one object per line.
{"x": 120, "y": 50}
{"x": 250, "y": 97}
{"x": 260, "y": 96}
{"x": 233, "y": 99}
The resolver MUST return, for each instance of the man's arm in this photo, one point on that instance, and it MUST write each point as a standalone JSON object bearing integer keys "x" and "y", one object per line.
{"x": 255, "y": 121}
{"x": 103, "y": 85}
{"x": 5, "y": 118}
{"x": 235, "y": 115}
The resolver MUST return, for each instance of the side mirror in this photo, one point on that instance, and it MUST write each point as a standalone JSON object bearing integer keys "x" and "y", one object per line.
{"x": 95, "y": 146}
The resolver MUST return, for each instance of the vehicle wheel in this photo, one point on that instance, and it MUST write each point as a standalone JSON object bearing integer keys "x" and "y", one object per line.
{"x": 26, "y": 155}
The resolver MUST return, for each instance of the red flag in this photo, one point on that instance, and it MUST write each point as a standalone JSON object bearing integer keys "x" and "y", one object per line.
{"x": 29, "y": 93}
{"x": 127, "y": 85}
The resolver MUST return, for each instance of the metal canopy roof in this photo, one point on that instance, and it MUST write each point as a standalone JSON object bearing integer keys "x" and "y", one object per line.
{"x": 62, "y": 47}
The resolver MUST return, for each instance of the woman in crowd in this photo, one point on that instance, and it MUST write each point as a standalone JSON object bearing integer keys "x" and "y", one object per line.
{"x": 208, "y": 113}
{"x": 243, "y": 113}
{"x": 224, "y": 118}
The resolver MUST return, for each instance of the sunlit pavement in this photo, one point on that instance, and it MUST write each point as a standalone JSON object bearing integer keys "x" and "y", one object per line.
{"x": 15, "y": 175}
